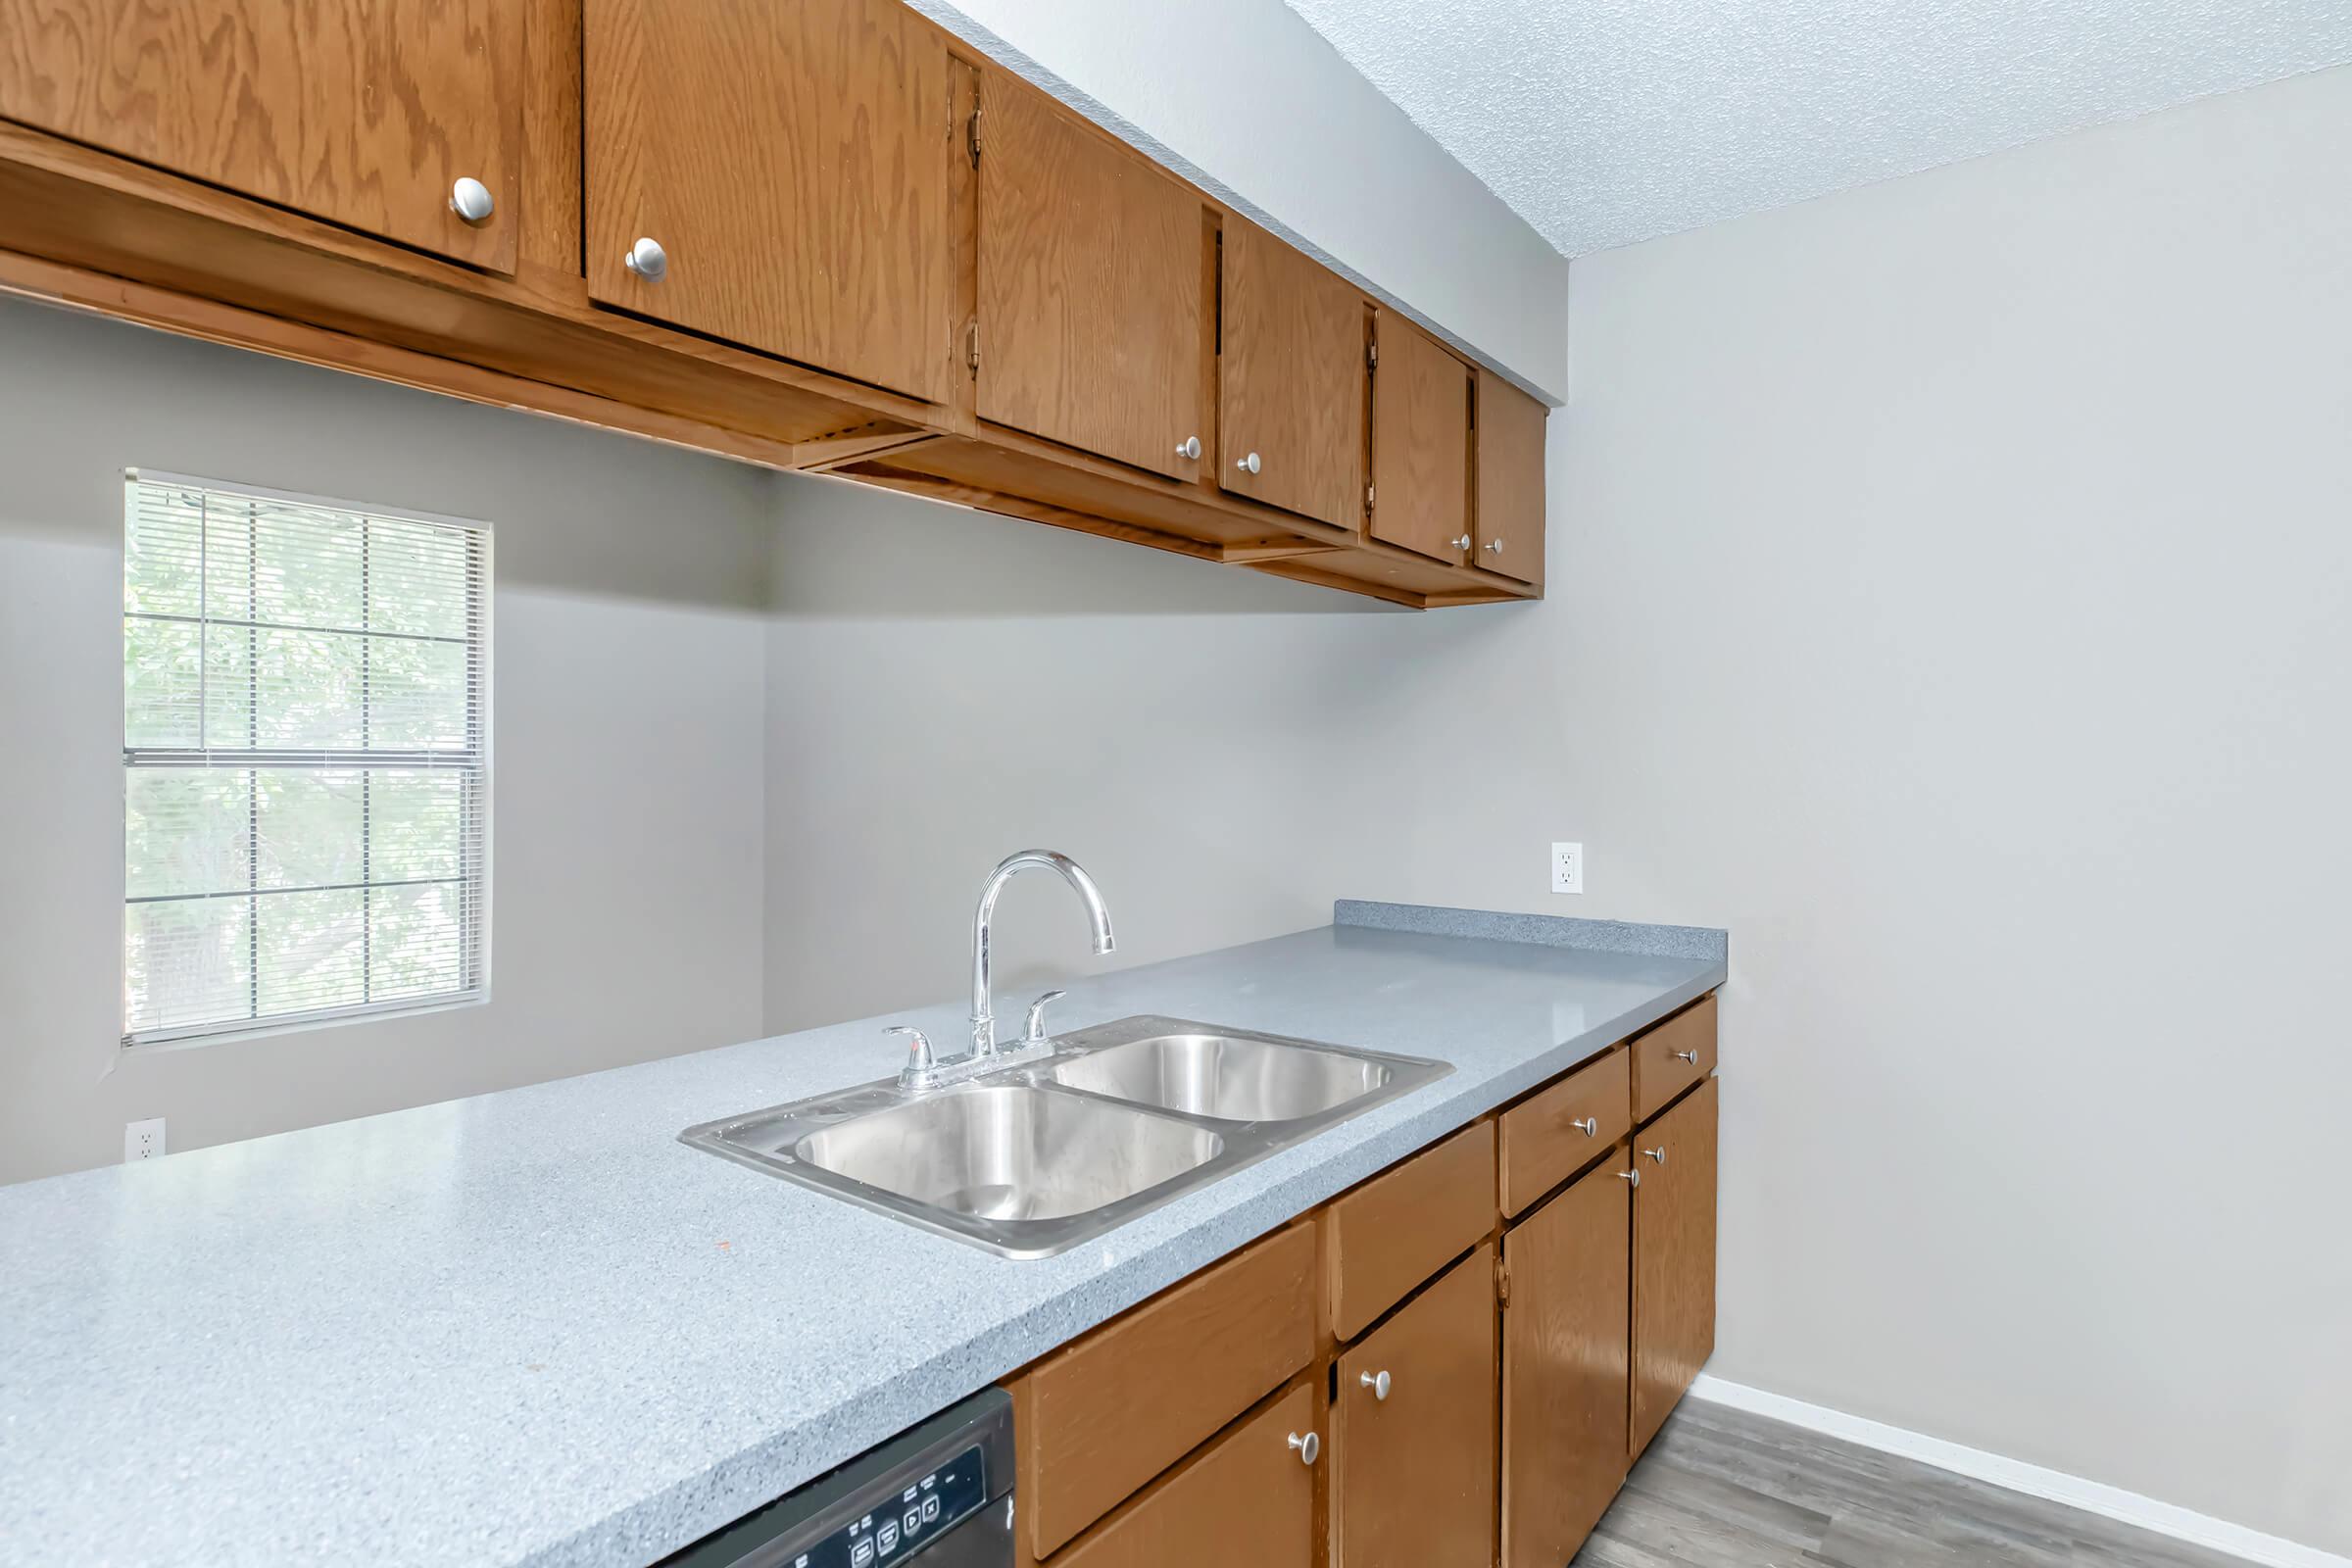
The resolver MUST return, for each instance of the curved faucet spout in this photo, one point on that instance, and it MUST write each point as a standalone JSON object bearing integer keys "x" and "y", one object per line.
{"x": 1097, "y": 915}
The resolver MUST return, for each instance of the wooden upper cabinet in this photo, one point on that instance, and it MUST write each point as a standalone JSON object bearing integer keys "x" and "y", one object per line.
{"x": 794, "y": 160}
{"x": 1092, "y": 284}
{"x": 1289, "y": 380}
{"x": 1674, "y": 1258}
{"x": 1420, "y": 443}
{"x": 1510, "y": 480}
{"x": 365, "y": 115}
{"x": 1564, "y": 1344}
{"x": 1412, "y": 1480}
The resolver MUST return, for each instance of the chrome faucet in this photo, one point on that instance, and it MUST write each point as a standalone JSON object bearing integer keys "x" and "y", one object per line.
{"x": 984, "y": 1018}
{"x": 924, "y": 1070}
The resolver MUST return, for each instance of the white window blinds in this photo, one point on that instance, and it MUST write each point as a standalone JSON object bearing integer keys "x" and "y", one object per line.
{"x": 306, "y": 760}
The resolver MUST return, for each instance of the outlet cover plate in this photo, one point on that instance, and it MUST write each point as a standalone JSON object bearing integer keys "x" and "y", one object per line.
{"x": 1567, "y": 868}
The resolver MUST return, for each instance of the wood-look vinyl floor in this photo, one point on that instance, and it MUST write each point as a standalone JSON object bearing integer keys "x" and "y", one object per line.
{"x": 1725, "y": 1488}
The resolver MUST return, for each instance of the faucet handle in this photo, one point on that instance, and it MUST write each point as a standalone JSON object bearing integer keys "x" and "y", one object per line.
{"x": 920, "y": 1068}
{"x": 1034, "y": 1032}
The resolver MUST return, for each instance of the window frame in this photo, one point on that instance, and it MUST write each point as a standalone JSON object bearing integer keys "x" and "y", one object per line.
{"x": 480, "y": 649}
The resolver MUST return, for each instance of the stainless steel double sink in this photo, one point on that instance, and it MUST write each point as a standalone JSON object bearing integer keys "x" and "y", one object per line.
{"x": 1043, "y": 1155}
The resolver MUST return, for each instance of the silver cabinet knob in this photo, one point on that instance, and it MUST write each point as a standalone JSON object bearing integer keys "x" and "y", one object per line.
{"x": 1034, "y": 1032}
{"x": 1308, "y": 1446}
{"x": 1589, "y": 1126}
{"x": 1691, "y": 1056}
{"x": 1247, "y": 465}
{"x": 1463, "y": 542}
{"x": 1494, "y": 546}
{"x": 1658, "y": 1153}
{"x": 1377, "y": 1382}
{"x": 471, "y": 200}
{"x": 1189, "y": 447}
{"x": 648, "y": 260}
{"x": 1633, "y": 1176}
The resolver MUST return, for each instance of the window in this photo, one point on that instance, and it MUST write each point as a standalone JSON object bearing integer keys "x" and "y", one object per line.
{"x": 306, "y": 760}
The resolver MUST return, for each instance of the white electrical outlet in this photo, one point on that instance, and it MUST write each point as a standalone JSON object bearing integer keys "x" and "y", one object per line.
{"x": 142, "y": 1139}
{"x": 1567, "y": 868}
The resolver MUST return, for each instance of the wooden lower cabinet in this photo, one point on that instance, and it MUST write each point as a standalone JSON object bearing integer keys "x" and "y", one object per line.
{"x": 1452, "y": 1364}
{"x": 1564, "y": 1366}
{"x": 1247, "y": 1498}
{"x": 1412, "y": 1479}
{"x": 1674, "y": 1258}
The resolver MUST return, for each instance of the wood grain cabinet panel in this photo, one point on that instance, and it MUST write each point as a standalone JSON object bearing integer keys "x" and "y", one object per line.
{"x": 1097, "y": 1419}
{"x": 794, "y": 160}
{"x": 1420, "y": 443}
{"x": 1544, "y": 1138}
{"x": 1290, "y": 380}
{"x": 1413, "y": 1475}
{"x": 1401, "y": 1226}
{"x": 1674, "y": 1258}
{"x": 1564, "y": 1367}
{"x": 1510, "y": 480}
{"x": 1247, "y": 1498}
{"x": 365, "y": 115}
{"x": 1672, "y": 1057}
{"x": 1092, "y": 277}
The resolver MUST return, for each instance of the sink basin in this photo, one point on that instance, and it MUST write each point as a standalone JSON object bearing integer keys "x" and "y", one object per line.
{"x": 1042, "y": 1153}
{"x": 1226, "y": 1077}
{"x": 1009, "y": 1152}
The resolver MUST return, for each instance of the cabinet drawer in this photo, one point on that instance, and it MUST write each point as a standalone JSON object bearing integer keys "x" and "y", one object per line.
{"x": 1406, "y": 1223}
{"x": 1245, "y": 1499}
{"x": 1547, "y": 1136}
{"x": 1673, "y": 1056}
{"x": 1097, "y": 1418}
{"x": 1413, "y": 1432}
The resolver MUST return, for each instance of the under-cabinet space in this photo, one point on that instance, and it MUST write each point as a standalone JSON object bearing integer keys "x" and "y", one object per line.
{"x": 1565, "y": 1319}
{"x": 1412, "y": 1428}
{"x": 1290, "y": 380}
{"x": 780, "y": 176}
{"x": 1092, "y": 314}
{"x": 1247, "y": 1497}
{"x": 1510, "y": 480}
{"x": 1674, "y": 1258}
{"x": 1420, "y": 443}
{"x": 401, "y": 119}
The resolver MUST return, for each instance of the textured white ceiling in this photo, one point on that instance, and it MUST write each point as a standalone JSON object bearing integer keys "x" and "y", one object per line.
{"x": 1605, "y": 121}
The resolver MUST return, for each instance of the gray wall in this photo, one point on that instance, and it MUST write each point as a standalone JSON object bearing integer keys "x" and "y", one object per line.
{"x": 1949, "y": 586}
{"x": 627, "y": 769}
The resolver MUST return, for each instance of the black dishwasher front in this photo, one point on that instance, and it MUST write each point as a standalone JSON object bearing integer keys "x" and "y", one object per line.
{"x": 938, "y": 1494}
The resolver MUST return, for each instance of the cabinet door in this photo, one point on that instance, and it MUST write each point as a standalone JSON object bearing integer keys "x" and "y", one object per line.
{"x": 1413, "y": 1474}
{"x": 365, "y": 115}
{"x": 1420, "y": 443}
{"x": 1510, "y": 480}
{"x": 1290, "y": 380}
{"x": 1250, "y": 1497}
{"x": 1092, "y": 275}
{"x": 793, "y": 160}
{"x": 1674, "y": 1258}
{"x": 1564, "y": 1354}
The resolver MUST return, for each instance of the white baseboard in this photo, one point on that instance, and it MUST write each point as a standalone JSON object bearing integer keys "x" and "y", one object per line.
{"x": 2091, "y": 1496}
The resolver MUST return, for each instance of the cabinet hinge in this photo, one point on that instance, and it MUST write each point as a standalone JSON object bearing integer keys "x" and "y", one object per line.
{"x": 1372, "y": 354}
{"x": 1502, "y": 1282}
{"x": 972, "y": 345}
{"x": 1371, "y": 493}
{"x": 971, "y": 132}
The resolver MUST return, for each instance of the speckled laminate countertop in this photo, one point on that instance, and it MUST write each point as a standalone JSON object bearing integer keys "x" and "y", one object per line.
{"x": 533, "y": 1328}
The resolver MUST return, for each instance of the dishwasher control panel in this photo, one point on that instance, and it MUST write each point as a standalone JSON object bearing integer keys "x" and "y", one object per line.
{"x": 898, "y": 1528}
